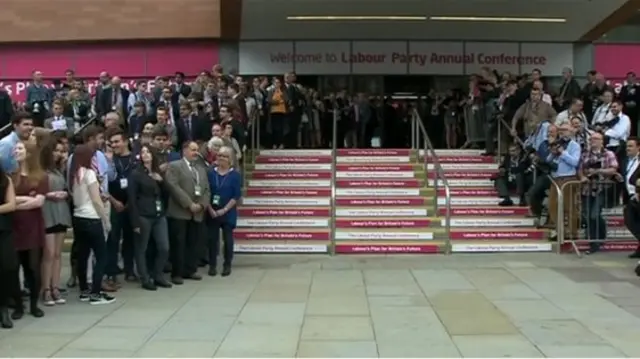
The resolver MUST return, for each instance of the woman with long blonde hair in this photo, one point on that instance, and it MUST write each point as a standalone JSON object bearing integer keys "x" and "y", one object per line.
{"x": 31, "y": 186}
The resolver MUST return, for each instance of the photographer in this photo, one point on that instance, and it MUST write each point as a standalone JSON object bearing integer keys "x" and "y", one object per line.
{"x": 512, "y": 176}
{"x": 617, "y": 130}
{"x": 532, "y": 113}
{"x": 596, "y": 166}
{"x": 490, "y": 93}
{"x": 564, "y": 159}
{"x": 538, "y": 149}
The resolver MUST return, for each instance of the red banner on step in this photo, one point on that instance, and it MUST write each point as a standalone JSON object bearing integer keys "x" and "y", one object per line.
{"x": 383, "y": 248}
{"x": 365, "y": 202}
{"x": 310, "y": 236}
{"x": 267, "y": 212}
{"x": 471, "y": 192}
{"x": 373, "y": 152}
{"x": 388, "y": 223}
{"x": 289, "y": 192}
{"x": 290, "y": 175}
{"x": 626, "y": 246}
{"x": 466, "y": 159}
{"x": 473, "y": 235}
{"x": 302, "y": 159}
{"x": 374, "y": 168}
{"x": 488, "y": 174}
{"x": 383, "y": 184}
{"x": 483, "y": 211}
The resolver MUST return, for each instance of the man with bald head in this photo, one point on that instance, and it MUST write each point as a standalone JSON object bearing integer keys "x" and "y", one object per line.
{"x": 113, "y": 98}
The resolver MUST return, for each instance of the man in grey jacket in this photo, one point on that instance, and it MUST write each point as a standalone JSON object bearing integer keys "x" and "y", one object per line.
{"x": 59, "y": 122}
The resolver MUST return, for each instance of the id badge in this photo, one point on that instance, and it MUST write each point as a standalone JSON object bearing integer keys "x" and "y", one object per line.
{"x": 158, "y": 206}
{"x": 216, "y": 200}
{"x": 197, "y": 190}
{"x": 123, "y": 183}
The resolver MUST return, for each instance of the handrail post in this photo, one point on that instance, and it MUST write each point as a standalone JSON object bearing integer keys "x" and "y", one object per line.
{"x": 334, "y": 165}
{"x": 499, "y": 141}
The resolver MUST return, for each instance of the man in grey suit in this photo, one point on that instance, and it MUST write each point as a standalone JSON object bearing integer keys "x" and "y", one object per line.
{"x": 59, "y": 121}
{"x": 189, "y": 197}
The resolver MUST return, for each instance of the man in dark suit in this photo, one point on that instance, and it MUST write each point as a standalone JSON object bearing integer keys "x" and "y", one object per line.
{"x": 569, "y": 90}
{"x": 114, "y": 98}
{"x": 234, "y": 93}
{"x": 630, "y": 97}
{"x": 166, "y": 102}
{"x": 629, "y": 175}
{"x": 180, "y": 89}
{"x": 190, "y": 127}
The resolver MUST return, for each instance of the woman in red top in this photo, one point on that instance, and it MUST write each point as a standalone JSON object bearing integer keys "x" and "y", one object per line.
{"x": 31, "y": 185}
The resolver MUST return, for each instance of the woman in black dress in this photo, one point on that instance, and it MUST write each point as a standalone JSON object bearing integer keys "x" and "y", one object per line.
{"x": 9, "y": 278}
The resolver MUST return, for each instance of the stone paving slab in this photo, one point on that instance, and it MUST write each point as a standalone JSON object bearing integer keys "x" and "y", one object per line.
{"x": 469, "y": 305}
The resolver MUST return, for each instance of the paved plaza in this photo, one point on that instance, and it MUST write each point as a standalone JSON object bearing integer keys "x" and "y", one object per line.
{"x": 494, "y": 305}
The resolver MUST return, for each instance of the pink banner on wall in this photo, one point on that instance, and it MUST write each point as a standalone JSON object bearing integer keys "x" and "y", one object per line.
{"x": 614, "y": 61}
{"x": 129, "y": 61}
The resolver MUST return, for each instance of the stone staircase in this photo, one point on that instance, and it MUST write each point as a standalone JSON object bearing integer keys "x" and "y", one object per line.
{"x": 286, "y": 204}
{"x": 478, "y": 224}
{"x": 383, "y": 204}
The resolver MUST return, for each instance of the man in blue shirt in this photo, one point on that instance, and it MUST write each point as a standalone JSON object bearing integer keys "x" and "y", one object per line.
{"x": 22, "y": 127}
{"x": 540, "y": 144}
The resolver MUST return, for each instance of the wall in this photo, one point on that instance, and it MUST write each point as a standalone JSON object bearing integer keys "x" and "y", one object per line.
{"x": 82, "y": 20}
{"x": 131, "y": 61}
{"x": 614, "y": 61}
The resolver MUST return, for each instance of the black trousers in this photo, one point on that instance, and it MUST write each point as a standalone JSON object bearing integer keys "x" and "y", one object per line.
{"x": 214, "y": 228}
{"x": 520, "y": 184}
{"x": 277, "y": 129}
{"x": 10, "y": 293}
{"x": 537, "y": 193}
{"x": 30, "y": 261}
{"x": 184, "y": 246}
{"x": 632, "y": 219}
{"x": 293, "y": 120}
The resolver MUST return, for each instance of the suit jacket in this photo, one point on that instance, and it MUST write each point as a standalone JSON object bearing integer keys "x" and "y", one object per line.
{"x": 105, "y": 103}
{"x": 182, "y": 186}
{"x": 71, "y": 126}
{"x": 242, "y": 106}
{"x": 622, "y": 169}
{"x": 569, "y": 91}
{"x": 198, "y": 130}
{"x": 185, "y": 90}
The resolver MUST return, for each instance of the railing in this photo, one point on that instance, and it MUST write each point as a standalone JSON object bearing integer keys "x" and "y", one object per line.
{"x": 334, "y": 165}
{"x": 417, "y": 130}
{"x": 554, "y": 185}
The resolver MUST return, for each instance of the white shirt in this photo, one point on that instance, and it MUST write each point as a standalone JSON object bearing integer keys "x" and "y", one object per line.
{"x": 83, "y": 206}
{"x": 619, "y": 132}
{"x": 564, "y": 117}
{"x": 632, "y": 166}
{"x": 547, "y": 98}
{"x": 602, "y": 114}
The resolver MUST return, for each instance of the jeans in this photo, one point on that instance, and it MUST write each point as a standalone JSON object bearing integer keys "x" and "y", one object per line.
{"x": 214, "y": 227}
{"x": 120, "y": 228}
{"x": 277, "y": 128}
{"x": 156, "y": 229}
{"x": 592, "y": 215}
{"x": 88, "y": 235}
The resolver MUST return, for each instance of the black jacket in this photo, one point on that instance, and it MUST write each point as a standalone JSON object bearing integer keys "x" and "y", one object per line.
{"x": 143, "y": 193}
{"x": 6, "y": 108}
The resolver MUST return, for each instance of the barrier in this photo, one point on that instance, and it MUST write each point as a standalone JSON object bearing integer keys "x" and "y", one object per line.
{"x": 586, "y": 203}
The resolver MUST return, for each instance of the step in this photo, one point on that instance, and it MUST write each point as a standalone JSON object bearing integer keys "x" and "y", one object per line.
{"x": 501, "y": 246}
{"x": 280, "y": 247}
{"x": 270, "y": 175}
{"x": 468, "y": 175}
{"x": 617, "y": 211}
{"x": 381, "y": 212}
{"x": 609, "y": 246}
{"x": 389, "y": 202}
{"x": 373, "y": 159}
{"x": 384, "y": 192}
{"x": 465, "y": 159}
{"x": 485, "y": 211}
{"x": 294, "y": 159}
{"x": 284, "y": 212}
{"x": 286, "y": 222}
{"x": 382, "y": 247}
{"x": 377, "y": 174}
{"x": 405, "y": 183}
{"x": 470, "y": 192}
{"x": 287, "y": 192}
{"x": 292, "y": 166}
{"x": 374, "y": 152}
{"x": 290, "y": 183}
{"x": 474, "y": 201}
{"x": 285, "y": 201}
{"x": 282, "y": 234}
{"x": 295, "y": 153}
{"x": 459, "y": 182}
{"x": 455, "y": 152}
{"x": 468, "y": 166}
{"x": 479, "y": 222}
{"x": 378, "y": 167}
{"x": 382, "y": 223}
{"x": 386, "y": 234}
{"x": 499, "y": 234}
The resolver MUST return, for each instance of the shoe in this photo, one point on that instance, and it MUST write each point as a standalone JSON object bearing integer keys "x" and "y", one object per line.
{"x": 226, "y": 271}
{"x": 149, "y": 285}
{"x": 5, "y": 319}
{"x": 17, "y": 314}
{"x": 177, "y": 280}
{"x": 84, "y": 296}
{"x": 35, "y": 311}
{"x": 506, "y": 202}
{"x": 47, "y": 298}
{"x": 57, "y": 296}
{"x": 162, "y": 283}
{"x": 192, "y": 276}
{"x": 213, "y": 272}
{"x": 635, "y": 254}
{"x": 101, "y": 298}
{"x": 637, "y": 270}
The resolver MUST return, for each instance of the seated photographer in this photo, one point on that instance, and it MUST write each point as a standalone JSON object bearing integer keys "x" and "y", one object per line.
{"x": 538, "y": 151}
{"x": 596, "y": 167}
{"x": 564, "y": 161}
{"x": 512, "y": 176}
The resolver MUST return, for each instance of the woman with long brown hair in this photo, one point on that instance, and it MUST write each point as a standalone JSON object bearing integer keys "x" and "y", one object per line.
{"x": 57, "y": 220}
{"x": 90, "y": 222}
{"x": 31, "y": 185}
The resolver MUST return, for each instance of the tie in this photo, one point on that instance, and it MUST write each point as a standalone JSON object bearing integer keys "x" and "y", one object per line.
{"x": 188, "y": 122}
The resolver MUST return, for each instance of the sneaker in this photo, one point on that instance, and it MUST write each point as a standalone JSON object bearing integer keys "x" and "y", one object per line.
{"x": 102, "y": 298}
{"x": 57, "y": 297}
{"x": 84, "y": 296}
{"x": 47, "y": 298}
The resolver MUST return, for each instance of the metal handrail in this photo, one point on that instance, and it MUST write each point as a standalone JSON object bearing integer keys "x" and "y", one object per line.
{"x": 418, "y": 129}
{"x": 5, "y": 127}
{"x": 554, "y": 184}
{"x": 334, "y": 165}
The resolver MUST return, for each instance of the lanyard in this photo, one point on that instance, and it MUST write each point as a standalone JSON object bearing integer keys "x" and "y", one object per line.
{"x": 120, "y": 169}
{"x": 224, "y": 179}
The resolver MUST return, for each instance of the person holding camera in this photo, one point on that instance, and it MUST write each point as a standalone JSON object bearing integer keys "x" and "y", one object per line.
{"x": 537, "y": 149}
{"x": 596, "y": 166}
{"x": 512, "y": 176}
{"x": 629, "y": 175}
{"x": 532, "y": 113}
{"x": 563, "y": 163}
